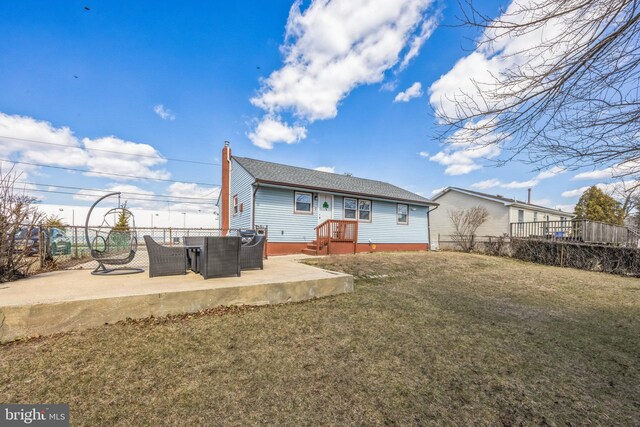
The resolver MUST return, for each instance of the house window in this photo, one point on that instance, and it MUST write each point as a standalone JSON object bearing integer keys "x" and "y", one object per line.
{"x": 520, "y": 215}
{"x": 303, "y": 203}
{"x": 357, "y": 209}
{"x": 402, "y": 212}
{"x": 350, "y": 208}
{"x": 535, "y": 217}
{"x": 235, "y": 204}
{"x": 364, "y": 210}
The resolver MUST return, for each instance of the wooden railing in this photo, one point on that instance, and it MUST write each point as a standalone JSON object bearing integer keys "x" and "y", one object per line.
{"x": 336, "y": 230}
{"x": 579, "y": 230}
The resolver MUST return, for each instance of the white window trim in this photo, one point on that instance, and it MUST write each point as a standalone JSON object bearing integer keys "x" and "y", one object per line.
{"x": 357, "y": 209}
{"x": 398, "y": 214}
{"x": 295, "y": 204}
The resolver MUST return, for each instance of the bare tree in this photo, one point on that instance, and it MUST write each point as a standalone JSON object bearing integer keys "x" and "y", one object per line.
{"x": 18, "y": 219}
{"x": 571, "y": 98}
{"x": 465, "y": 224}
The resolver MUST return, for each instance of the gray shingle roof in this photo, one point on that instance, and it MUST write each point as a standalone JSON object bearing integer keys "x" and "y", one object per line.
{"x": 275, "y": 173}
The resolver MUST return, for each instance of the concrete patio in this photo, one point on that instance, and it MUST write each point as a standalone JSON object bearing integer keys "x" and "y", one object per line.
{"x": 73, "y": 300}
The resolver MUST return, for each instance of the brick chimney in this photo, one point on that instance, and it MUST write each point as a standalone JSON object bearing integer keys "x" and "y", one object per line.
{"x": 529, "y": 196}
{"x": 226, "y": 186}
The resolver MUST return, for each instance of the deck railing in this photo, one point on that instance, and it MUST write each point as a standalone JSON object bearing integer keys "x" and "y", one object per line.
{"x": 579, "y": 230}
{"x": 336, "y": 230}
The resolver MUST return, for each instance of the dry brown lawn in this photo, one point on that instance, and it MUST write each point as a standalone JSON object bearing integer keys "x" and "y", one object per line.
{"x": 425, "y": 339}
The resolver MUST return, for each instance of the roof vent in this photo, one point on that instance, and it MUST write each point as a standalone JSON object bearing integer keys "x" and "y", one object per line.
{"x": 348, "y": 174}
{"x": 499, "y": 195}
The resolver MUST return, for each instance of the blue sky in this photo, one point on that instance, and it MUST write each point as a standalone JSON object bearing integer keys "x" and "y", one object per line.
{"x": 344, "y": 85}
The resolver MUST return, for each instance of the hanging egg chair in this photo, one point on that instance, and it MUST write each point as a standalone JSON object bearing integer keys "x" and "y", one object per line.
{"x": 114, "y": 242}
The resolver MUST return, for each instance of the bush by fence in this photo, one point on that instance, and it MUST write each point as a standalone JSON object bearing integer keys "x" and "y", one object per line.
{"x": 609, "y": 259}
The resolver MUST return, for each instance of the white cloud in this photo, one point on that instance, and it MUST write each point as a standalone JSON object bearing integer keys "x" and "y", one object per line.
{"x": 616, "y": 189}
{"x": 616, "y": 171}
{"x": 427, "y": 28}
{"x": 164, "y": 113}
{"x": 486, "y": 184}
{"x": 183, "y": 189}
{"x": 330, "y": 169}
{"x": 542, "y": 202}
{"x": 131, "y": 159}
{"x": 490, "y": 61}
{"x": 61, "y": 148}
{"x": 424, "y": 154}
{"x": 493, "y": 183}
{"x": 461, "y": 157}
{"x": 437, "y": 190}
{"x": 575, "y": 192}
{"x": 331, "y": 48}
{"x": 272, "y": 130}
{"x": 566, "y": 208}
{"x": 36, "y": 141}
{"x": 414, "y": 91}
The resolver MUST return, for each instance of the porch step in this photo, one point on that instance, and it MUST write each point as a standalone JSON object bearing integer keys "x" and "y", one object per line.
{"x": 309, "y": 251}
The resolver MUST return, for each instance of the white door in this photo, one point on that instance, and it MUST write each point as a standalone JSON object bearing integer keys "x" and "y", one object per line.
{"x": 325, "y": 207}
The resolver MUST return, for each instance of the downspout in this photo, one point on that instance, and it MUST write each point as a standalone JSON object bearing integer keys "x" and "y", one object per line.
{"x": 429, "y": 223}
{"x": 253, "y": 207}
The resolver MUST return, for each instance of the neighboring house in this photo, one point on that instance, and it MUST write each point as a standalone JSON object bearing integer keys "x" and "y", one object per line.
{"x": 502, "y": 212}
{"x": 292, "y": 202}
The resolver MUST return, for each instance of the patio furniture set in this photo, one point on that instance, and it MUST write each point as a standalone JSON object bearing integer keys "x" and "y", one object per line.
{"x": 211, "y": 256}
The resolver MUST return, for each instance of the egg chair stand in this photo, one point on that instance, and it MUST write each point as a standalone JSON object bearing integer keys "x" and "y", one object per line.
{"x": 113, "y": 244}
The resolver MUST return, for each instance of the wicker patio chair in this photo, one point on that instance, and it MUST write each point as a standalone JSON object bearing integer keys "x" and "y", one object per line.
{"x": 165, "y": 260}
{"x": 221, "y": 257}
{"x": 252, "y": 253}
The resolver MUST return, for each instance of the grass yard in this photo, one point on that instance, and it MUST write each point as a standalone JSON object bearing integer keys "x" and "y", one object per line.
{"x": 425, "y": 339}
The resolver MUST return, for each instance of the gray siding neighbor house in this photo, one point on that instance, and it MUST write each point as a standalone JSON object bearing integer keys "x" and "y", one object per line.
{"x": 317, "y": 212}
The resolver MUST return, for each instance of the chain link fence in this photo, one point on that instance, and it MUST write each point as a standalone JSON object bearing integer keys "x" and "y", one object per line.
{"x": 68, "y": 248}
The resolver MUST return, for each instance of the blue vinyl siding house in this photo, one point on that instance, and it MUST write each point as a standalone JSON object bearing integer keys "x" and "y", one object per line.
{"x": 297, "y": 204}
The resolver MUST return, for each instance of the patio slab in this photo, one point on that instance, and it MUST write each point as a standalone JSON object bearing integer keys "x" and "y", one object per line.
{"x": 73, "y": 300}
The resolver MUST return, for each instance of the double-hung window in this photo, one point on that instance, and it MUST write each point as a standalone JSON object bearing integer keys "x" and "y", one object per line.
{"x": 303, "y": 203}
{"x": 235, "y": 204}
{"x": 364, "y": 210}
{"x": 350, "y": 208}
{"x": 402, "y": 214}
{"x": 359, "y": 209}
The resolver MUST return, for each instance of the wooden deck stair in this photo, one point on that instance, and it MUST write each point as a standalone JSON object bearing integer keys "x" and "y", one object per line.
{"x": 332, "y": 236}
{"x": 314, "y": 249}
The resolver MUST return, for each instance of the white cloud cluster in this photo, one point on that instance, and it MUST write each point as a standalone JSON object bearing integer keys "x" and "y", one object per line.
{"x": 461, "y": 157}
{"x": 271, "y": 130}
{"x": 498, "y": 51}
{"x": 23, "y": 137}
{"x": 330, "y": 169}
{"x": 164, "y": 113}
{"x": 496, "y": 183}
{"x": 331, "y": 48}
{"x": 466, "y": 83}
{"x": 616, "y": 189}
{"x": 414, "y": 91}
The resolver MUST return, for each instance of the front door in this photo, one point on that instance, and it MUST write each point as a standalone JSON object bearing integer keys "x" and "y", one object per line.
{"x": 325, "y": 207}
